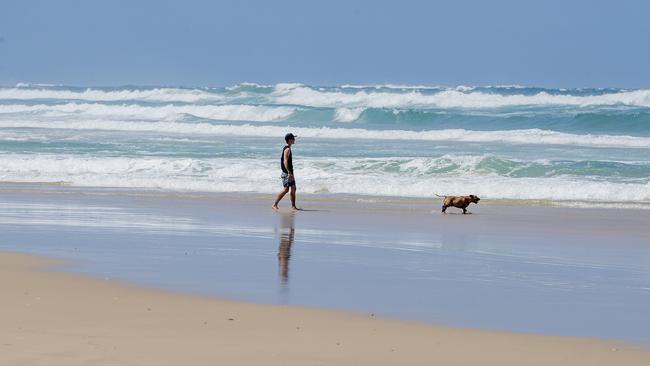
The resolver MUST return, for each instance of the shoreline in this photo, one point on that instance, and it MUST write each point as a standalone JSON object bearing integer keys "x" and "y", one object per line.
{"x": 537, "y": 270}
{"x": 68, "y": 319}
{"x": 65, "y": 188}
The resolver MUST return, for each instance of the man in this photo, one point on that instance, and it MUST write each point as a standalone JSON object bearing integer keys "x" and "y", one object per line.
{"x": 288, "y": 180}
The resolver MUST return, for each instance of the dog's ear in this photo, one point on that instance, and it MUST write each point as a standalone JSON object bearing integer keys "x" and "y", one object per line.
{"x": 472, "y": 196}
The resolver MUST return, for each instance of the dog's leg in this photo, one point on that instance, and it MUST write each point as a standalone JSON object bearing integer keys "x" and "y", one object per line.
{"x": 444, "y": 208}
{"x": 464, "y": 210}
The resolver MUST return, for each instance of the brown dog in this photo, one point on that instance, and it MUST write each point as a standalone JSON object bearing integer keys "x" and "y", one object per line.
{"x": 458, "y": 201}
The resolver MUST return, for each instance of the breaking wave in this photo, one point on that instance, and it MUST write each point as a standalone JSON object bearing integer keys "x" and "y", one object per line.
{"x": 133, "y": 111}
{"x": 528, "y": 136}
{"x": 349, "y": 96}
{"x": 382, "y": 177}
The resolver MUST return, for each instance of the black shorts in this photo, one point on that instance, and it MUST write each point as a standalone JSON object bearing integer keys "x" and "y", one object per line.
{"x": 286, "y": 182}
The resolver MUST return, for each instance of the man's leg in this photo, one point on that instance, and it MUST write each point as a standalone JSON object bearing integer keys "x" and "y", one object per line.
{"x": 280, "y": 196}
{"x": 293, "y": 197}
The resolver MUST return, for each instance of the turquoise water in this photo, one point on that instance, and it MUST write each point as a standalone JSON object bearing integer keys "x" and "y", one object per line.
{"x": 500, "y": 142}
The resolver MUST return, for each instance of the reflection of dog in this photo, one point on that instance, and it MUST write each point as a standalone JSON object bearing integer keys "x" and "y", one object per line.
{"x": 458, "y": 201}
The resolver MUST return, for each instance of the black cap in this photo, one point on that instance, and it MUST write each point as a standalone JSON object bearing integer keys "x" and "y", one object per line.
{"x": 289, "y": 136}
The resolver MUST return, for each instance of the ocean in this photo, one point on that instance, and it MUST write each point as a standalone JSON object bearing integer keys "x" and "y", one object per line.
{"x": 566, "y": 146}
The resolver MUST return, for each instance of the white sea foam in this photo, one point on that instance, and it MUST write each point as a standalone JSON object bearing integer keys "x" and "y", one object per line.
{"x": 348, "y": 114}
{"x": 302, "y": 95}
{"x": 232, "y": 112}
{"x": 27, "y": 92}
{"x": 245, "y": 84}
{"x": 464, "y": 88}
{"x": 527, "y": 136}
{"x": 288, "y": 86}
{"x": 31, "y": 85}
{"x": 348, "y": 96}
{"x": 392, "y": 86}
{"x": 19, "y": 136}
{"x": 313, "y": 175}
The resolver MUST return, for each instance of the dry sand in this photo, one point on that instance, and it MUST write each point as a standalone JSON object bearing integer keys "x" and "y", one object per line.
{"x": 51, "y": 318}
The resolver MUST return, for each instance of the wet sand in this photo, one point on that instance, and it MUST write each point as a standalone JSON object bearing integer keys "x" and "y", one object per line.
{"x": 54, "y": 318}
{"x": 514, "y": 268}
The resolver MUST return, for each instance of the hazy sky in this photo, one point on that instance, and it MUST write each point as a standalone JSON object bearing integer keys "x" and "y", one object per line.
{"x": 209, "y": 43}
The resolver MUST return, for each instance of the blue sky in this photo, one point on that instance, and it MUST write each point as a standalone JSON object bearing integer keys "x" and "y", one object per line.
{"x": 209, "y": 43}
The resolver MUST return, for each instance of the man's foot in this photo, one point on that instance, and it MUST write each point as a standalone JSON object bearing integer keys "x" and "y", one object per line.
{"x": 295, "y": 208}
{"x": 275, "y": 207}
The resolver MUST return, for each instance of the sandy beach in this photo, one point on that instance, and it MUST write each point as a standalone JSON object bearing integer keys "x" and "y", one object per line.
{"x": 101, "y": 276}
{"x": 63, "y": 319}
{"x": 145, "y": 147}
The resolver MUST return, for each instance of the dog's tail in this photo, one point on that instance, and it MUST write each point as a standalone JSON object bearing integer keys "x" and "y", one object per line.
{"x": 440, "y": 195}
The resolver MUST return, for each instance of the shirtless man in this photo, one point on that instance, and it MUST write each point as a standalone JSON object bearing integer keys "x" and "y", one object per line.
{"x": 288, "y": 180}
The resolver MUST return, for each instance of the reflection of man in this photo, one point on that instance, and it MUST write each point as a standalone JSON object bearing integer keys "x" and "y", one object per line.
{"x": 286, "y": 240}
